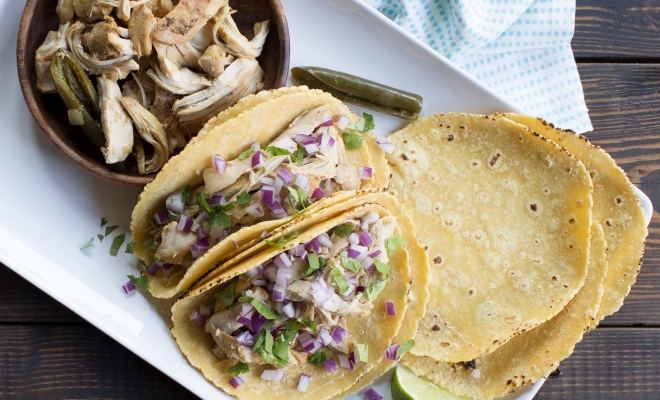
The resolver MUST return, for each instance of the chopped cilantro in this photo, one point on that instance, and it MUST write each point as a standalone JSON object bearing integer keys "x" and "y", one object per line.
{"x": 374, "y": 289}
{"x": 344, "y": 230}
{"x": 365, "y": 124}
{"x": 153, "y": 224}
{"x": 299, "y": 155}
{"x": 404, "y": 348}
{"x": 281, "y": 351}
{"x": 226, "y": 296}
{"x": 116, "y": 244}
{"x": 259, "y": 306}
{"x": 100, "y": 237}
{"x": 244, "y": 198}
{"x": 110, "y": 229}
{"x": 203, "y": 204}
{"x": 171, "y": 216}
{"x": 140, "y": 282}
{"x": 231, "y": 155}
{"x": 393, "y": 243}
{"x": 318, "y": 358}
{"x": 150, "y": 244}
{"x": 272, "y": 151}
{"x": 361, "y": 352}
{"x": 103, "y": 222}
{"x": 89, "y": 244}
{"x": 185, "y": 194}
{"x": 247, "y": 153}
{"x": 142, "y": 267}
{"x": 219, "y": 220}
{"x": 299, "y": 195}
{"x": 239, "y": 368}
{"x": 314, "y": 263}
{"x": 264, "y": 343}
{"x": 283, "y": 240}
{"x": 224, "y": 207}
{"x": 349, "y": 263}
{"x": 339, "y": 279}
{"x": 352, "y": 140}
{"x": 382, "y": 267}
{"x": 129, "y": 248}
{"x": 308, "y": 322}
{"x": 291, "y": 330}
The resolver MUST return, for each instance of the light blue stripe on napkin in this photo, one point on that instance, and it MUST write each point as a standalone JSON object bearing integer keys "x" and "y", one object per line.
{"x": 519, "y": 48}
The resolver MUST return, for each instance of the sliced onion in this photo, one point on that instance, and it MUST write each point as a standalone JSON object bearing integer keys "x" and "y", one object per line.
{"x": 302, "y": 181}
{"x": 304, "y": 381}
{"x": 311, "y": 147}
{"x": 372, "y": 394}
{"x": 128, "y": 287}
{"x": 245, "y": 339}
{"x": 286, "y": 175}
{"x": 345, "y": 362}
{"x": 325, "y": 240}
{"x": 199, "y": 248}
{"x": 317, "y": 194}
{"x": 277, "y": 210}
{"x": 338, "y": 334}
{"x": 275, "y": 375}
{"x": 255, "y": 210}
{"x": 385, "y": 145}
{"x": 330, "y": 365}
{"x": 370, "y": 218}
{"x": 219, "y": 164}
{"x": 289, "y": 309}
{"x": 258, "y": 159}
{"x": 237, "y": 381}
{"x": 278, "y": 292}
{"x": 364, "y": 173}
{"x": 267, "y": 195}
{"x": 342, "y": 122}
{"x": 161, "y": 217}
{"x": 366, "y": 239}
{"x": 153, "y": 268}
{"x": 185, "y": 224}
{"x": 175, "y": 203}
{"x": 390, "y": 308}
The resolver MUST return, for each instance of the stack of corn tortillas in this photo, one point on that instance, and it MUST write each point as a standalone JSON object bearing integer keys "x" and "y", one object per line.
{"x": 533, "y": 236}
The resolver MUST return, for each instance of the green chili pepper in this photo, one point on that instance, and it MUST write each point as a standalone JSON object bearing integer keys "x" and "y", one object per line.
{"x": 360, "y": 91}
{"x": 89, "y": 93}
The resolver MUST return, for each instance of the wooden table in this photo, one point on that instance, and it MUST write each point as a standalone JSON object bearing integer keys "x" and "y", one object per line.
{"x": 49, "y": 352}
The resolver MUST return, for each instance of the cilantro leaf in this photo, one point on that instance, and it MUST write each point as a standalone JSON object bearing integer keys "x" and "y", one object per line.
{"x": 404, "y": 348}
{"x": 219, "y": 220}
{"x": 247, "y": 153}
{"x": 129, "y": 248}
{"x": 171, "y": 216}
{"x": 100, "y": 237}
{"x": 318, "y": 358}
{"x": 103, "y": 221}
{"x": 374, "y": 289}
{"x": 265, "y": 344}
{"x": 226, "y": 296}
{"x": 393, "y": 243}
{"x": 349, "y": 263}
{"x": 299, "y": 155}
{"x": 110, "y": 229}
{"x": 281, "y": 351}
{"x": 203, "y": 204}
{"x": 259, "y": 306}
{"x": 150, "y": 244}
{"x": 339, "y": 279}
{"x": 382, "y": 267}
{"x": 244, "y": 198}
{"x": 116, "y": 244}
{"x": 344, "y": 230}
{"x": 314, "y": 263}
{"x": 308, "y": 322}
{"x": 239, "y": 368}
{"x": 291, "y": 330}
{"x": 89, "y": 244}
{"x": 140, "y": 282}
{"x": 365, "y": 124}
{"x": 185, "y": 194}
{"x": 352, "y": 140}
{"x": 283, "y": 240}
{"x": 142, "y": 267}
{"x": 272, "y": 151}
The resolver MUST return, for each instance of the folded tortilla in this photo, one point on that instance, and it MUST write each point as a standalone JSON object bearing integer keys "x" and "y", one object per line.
{"x": 262, "y": 119}
{"x": 378, "y": 329}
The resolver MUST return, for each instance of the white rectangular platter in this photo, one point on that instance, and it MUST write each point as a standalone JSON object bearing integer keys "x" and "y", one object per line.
{"x": 51, "y": 207}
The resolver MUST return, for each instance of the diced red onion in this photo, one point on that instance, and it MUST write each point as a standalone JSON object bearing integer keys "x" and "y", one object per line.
{"x": 246, "y": 310}
{"x": 245, "y": 339}
{"x": 366, "y": 239}
{"x": 364, "y": 173}
{"x": 264, "y": 233}
{"x": 205, "y": 309}
{"x": 244, "y": 320}
{"x": 385, "y": 145}
{"x": 161, "y": 217}
{"x": 314, "y": 245}
{"x": 255, "y": 210}
{"x": 360, "y": 289}
{"x": 216, "y": 232}
{"x": 175, "y": 203}
{"x": 372, "y": 394}
{"x": 128, "y": 287}
{"x": 283, "y": 277}
{"x": 326, "y": 143}
{"x": 167, "y": 266}
{"x": 330, "y": 365}
{"x": 367, "y": 263}
{"x": 285, "y": 144}
{"x": 257, "y": 322}
{"x": 199, "y": 248}
{"x": 317, "y": 193}
{"x": 153, "y": 268}
{"x": 278, "y": 292}
{"x": 326, "y": 123}
{"x": 289, "y": 310}
{"x": 218, "y": 200}
{"x": 353, "y": 238}
{"x": 301, "y": 137}
{"x": 185, "y": 224}
{"x": 278, "y": 183}
{"x": 253, "y": 272}
{"x": 285, "y": 260}
{"x": 325, "y": 240}
{"x": 390, "y": 308}
{"x": 235, "y": 244}
{"x": 370, "y": 218}
{"x": 325, "y": 337}
{"x": 353, "y": 253}
{"x": 302, "y": 181}
{"x": 305, "y": 339}
{"x": 390, "y": 352}
{"x": 270, "y": 272}
{"x": 193, "y": 314}
{"x": 267, "y": 195}
{"x": 277, "y": 210}
{"x": 258, "y": 159}
{"x": 361, "y": 249}
{"x": 351, "y": 358}
{"x": 259, "y": 282}
{"x": 237, "y": 381}
{"x": 345, "y": 362}
{"x": 304, "y": 381}
{"x": 338, "y": 334}
{"x": 475, "y": 373}
{"x": 275, "y": 375}
{"x": 342, "y": 122}
{"x": 298, "y": 251}
{"x": 320, "y": 297}
{"x": 364, "y": 227}
{"x": 203, "y": 231}
{"x": 375, "y": 254}
{"x": 267, "y": 181}
{"x": 201, "y": 319}
{"x": 219, "y": 164}
{"x": 311, "y": 147}
{"x": 286, "y": 175}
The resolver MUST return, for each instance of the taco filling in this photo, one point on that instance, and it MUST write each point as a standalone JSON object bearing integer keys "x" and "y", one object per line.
{"x": 306, "y": 162}
{"x": 291, "y": 309}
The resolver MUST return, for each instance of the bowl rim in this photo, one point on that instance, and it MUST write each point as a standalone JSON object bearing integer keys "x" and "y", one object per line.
{"x": 83, "y": 160}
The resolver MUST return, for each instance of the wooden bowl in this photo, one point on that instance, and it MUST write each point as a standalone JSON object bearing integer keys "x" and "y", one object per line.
{"x": 48, "y": 110}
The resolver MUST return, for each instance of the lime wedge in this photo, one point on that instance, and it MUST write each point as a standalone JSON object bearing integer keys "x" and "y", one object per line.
{"x": 408, "y": 386}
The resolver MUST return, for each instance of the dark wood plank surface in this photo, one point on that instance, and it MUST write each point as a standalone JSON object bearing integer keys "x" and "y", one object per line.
{"x": 49, "y": 352}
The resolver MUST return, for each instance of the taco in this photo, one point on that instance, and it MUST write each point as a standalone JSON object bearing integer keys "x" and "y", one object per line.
{"x": 253, "y": 168}
{"x": 314, "y": 314}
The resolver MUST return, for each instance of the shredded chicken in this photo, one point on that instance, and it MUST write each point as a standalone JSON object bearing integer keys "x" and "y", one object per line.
{"x": 347, "y": 173}
{"x": 54, "y": 40}
{"x": 185, "y": 20}
{"x": 117, "y": 125}
{"x": 231, "y": 349}
{"x": 224, "y": 320}
{"x": 215, "y": 181}
{"x": 160, "y": 8}
{"x": 139, "y": 29}
{"x": 380, "y": 231}
{"x": 234, "y": 42}
{"x": 307, "y": 122}
{"x": 90, "y": 10}
{"x": 175, "y": 243}
{"x": 64, "y": 11}
{"x": 105, "y": 41}
{"x": 215, "y": 60}
{"x": 151, "y": 130}
{"x": 174, "y": 78}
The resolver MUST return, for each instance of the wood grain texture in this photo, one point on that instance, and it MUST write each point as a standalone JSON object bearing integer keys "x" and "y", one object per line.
{"x": 617, "y": 30}
{"x": 610, "y": 363}
{"x": 56, "y": 362}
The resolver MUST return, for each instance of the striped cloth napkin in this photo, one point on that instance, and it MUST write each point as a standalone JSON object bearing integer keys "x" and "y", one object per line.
{"x": 519, "y": 48}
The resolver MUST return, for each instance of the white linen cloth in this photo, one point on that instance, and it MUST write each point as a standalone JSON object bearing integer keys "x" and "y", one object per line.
{"x": 519, "y": 48}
